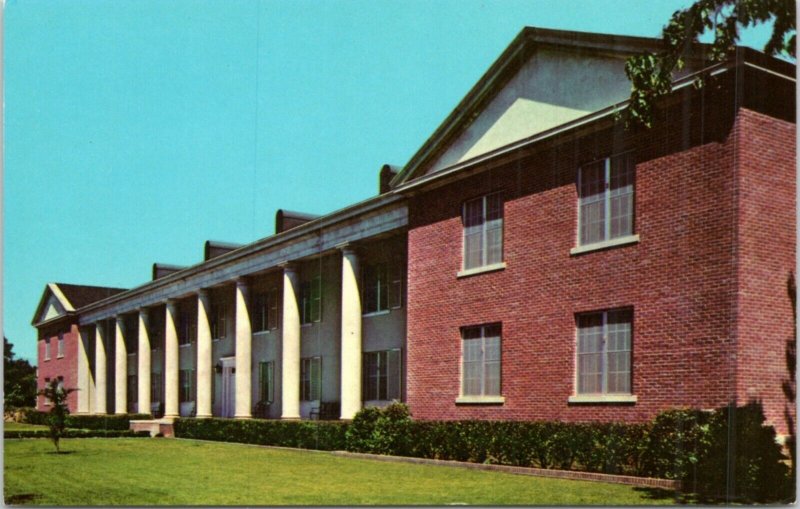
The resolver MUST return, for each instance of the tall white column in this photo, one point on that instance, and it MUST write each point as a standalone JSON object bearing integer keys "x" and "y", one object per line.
{"x": 100, "y": 367}
{"x": 244, "y": 340}
{"x": 204, "y": 372}
{"x": 351, "y": 335}
{"x": 290, "y": 363}
{"x": 83, "y": 372}
{"x": 171, "y": 405}
{"x": 144, "y": 362}
{"x": 120, "y": 368}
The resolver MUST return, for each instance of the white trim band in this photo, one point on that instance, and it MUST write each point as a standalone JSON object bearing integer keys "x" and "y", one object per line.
{"x": 619, "y": 241}
{"x": 480, "y": 400}
{"x": 480, "y": 270}
{"x": 603, "y": 398}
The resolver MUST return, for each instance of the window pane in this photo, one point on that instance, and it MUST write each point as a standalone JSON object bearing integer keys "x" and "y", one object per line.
{"x": 394, "y": 375}
{"x": 494, "y": 243}
{"x": 593, "y": 220}
{"x": 473, "y": 249}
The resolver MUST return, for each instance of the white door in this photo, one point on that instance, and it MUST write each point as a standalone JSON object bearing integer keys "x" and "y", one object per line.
{"x": 228, "y": 387}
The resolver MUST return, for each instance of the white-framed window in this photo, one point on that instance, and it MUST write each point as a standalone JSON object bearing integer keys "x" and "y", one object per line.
{"x": 382, "y": 375}
{"x": 219, "y": 319}
{"x": 156, "y": 386}
{"x": 606, "y": 199}
{"x": 46, "y": 349}
{"x": 374, "y": 288}
{"x": 310, "y": 379}
{"x": 186, "y": 385}
{"x": 60, "y": 351}
{"x": 483, "y": 231}
{"x": 266, "y": 381}
{"x": 46, "y": 398}
{"x": 187, "y": 327}
{"x": 604, "y": 352}
{"x": 155, "y": 332}
{"x": 133, "y": 389}
{"x": 481, "y": 360}
{"x": 311, "y": 300}
{"x": 265, "y": 314}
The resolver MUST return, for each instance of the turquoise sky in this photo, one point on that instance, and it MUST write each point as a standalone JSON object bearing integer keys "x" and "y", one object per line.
{"x": 137, "y": 129}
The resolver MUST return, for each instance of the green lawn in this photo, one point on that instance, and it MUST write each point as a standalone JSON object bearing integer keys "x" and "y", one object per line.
{"x": 158, "y": 471}
{"x": 16, "y": 426}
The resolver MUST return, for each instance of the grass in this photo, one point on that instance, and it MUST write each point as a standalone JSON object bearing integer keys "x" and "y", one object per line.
{"x": 16, "y": 426}
{"x": 185, "y": 472}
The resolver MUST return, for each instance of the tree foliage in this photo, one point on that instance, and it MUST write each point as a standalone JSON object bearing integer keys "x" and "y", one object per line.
{"x": 651, "y": 74}
{"x": 57, "y": 420}
{"x": 19, "y": 385}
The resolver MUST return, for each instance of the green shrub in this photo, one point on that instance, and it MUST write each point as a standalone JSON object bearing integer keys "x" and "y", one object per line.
{"x": 33, "y": 416}
{"x": 321, "y": 435}
{"x": 75, "y": 433}
{"x": 107, "y": 422}
{"x": 387, "y": 430}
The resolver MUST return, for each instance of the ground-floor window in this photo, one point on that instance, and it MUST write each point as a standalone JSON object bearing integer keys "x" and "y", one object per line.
{"x": 604, "y": 352}
{"x": 186, "y": 385}
{"x": 133, "y": 389}
{"x": 382, "y": 375}
{"x": 266, "y": 381}
{"x": 310, "y": 379}
{"x": 155, "y": 387}
{"x": 480, "y": 361}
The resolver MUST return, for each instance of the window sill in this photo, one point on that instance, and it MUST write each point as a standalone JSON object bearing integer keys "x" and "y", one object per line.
{"x": 47, "y": 359}
{"x": 217, "y": 339}
{"x": 59, "y": 357}
{"x": 131, "y": 354}
{"x": 603, "y": 398}
{"x": 597, "y": 246}
{"x": 480, "y": 400}
{"x": 261, "y": 332}
{"x": 184, "y": 345}
{"x": 480, "y": 270}
{"x": 376, "y": 313}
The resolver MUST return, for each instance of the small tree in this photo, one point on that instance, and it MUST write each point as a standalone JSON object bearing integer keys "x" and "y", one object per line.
{"x": 57, "y": 420}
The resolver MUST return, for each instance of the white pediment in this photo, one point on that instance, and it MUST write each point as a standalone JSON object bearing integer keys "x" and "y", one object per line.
{"x": 52, "y": 309}
{"x": 551, "y": 88}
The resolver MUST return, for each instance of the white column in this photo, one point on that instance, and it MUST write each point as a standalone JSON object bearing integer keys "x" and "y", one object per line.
{"x": 171, "y": 405}
{"x": 100, "y": 368}
{"x": 244, "y": 339}
{"x": 204, "y": 372}
{"x": 144, "y": 362}
{"x": 351, "y": 335}
{"x": 290, "y": 363}
{"x": 120, "y": 369}
{"x": 83, "y": 372}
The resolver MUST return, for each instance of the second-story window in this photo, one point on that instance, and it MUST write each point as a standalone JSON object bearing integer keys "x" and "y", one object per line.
{"x": 187, "y": 328}
{"x": 60, "y": 344}
{"x": 483, "y": 231}
{"x": 265, "y": 314}
{"x": 374, "y": 288}
{"x": 47, "y": 349}
{"x": 606, "y": 195}
{"x": 218, "y": 321}
{"x": 311, "y": 300}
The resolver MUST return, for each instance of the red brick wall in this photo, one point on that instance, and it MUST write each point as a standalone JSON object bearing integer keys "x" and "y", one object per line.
{"x": 765, "y": 170}
{"x": 66, "y": 366}
{"x": 680, "y": 280}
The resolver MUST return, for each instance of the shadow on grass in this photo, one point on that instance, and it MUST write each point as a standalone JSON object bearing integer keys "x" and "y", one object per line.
{"x": 677, "y": 497}
{"x": 60, "y": 452}
{"x": 22, "y": 498}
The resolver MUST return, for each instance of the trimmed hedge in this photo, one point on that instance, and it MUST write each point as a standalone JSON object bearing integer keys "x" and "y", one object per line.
{"x": 320, "y": 435}
{"x": 75, "y": 433}
{"x": 94, "y": 422}
{"x": 696, "y": 447}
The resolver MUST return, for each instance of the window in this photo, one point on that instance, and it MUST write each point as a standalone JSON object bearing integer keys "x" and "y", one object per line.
{"x": 375, "y": 289}
{"x": 483, "y": 231}
{"x": 155, "y": 387}
{"x": 266, "y": 381}
{"x": 47, "y": 349}
{"x": 186, "y": 385}
{"x": 133, "y": 389}
{"x": 156, "y": 337}
{"x": 481, "y": 361}
{"x": 311, "y": 300}
{"x": 606, "y": 199}
{"x": 218, "y": 321}
{"x": 604, "y": 352}
{"x": 310, "y": 378}
{"x": 265, "y": 315}
{"x": 46, "y": 398}
{"x": 187, "y": 327}
{"x": 382, "y": 376}
{"x": 60, "y": 344}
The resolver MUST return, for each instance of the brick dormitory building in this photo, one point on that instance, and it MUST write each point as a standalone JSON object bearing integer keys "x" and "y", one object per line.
{"x": 533, "y": 260}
